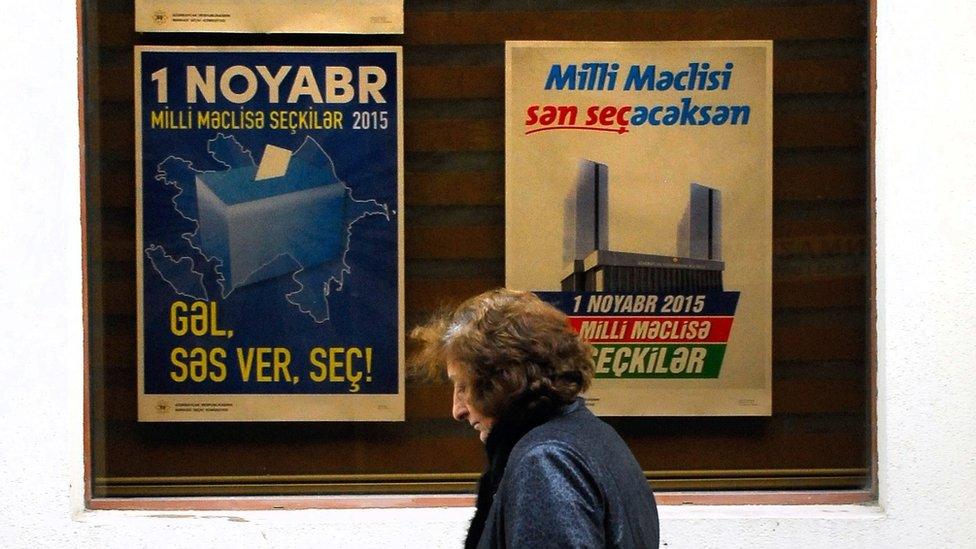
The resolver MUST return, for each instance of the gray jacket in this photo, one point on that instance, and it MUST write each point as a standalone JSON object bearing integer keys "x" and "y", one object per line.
{"x": 572, "y": 482}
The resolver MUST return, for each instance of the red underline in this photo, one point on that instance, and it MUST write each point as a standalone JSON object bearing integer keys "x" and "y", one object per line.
{"x": 620, "y": 129}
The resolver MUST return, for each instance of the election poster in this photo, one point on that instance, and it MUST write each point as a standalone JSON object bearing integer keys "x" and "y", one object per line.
{"x": 638, "y": 200}
{"x": 270, "y": 16}
{"x": 269, "y": 230}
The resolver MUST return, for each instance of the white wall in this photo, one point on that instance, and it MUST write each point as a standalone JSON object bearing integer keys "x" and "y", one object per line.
{"x": 926, "y": 166}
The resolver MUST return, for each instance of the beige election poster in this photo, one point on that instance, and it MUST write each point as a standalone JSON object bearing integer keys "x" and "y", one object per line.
{"x": 638, "y": 199}
{"x": 295, "y": 16}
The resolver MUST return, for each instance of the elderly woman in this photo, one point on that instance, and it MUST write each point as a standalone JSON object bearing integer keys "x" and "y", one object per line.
{"x": 557, "y": 476}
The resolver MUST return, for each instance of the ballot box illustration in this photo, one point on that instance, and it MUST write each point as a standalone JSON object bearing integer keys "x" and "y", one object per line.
{"x": 253, "y": 218}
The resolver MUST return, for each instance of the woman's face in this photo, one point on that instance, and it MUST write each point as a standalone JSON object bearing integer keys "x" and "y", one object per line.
{"x": 462, "y": 410}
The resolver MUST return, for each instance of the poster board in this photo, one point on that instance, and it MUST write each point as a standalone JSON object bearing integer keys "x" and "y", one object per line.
{"x": 271, "y": 16}
{"x": 269, "y": 233}
{"x": 638, "y": 198}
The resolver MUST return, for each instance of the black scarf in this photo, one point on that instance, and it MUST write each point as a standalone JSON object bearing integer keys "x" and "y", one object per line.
{"x": 502, "y": 438}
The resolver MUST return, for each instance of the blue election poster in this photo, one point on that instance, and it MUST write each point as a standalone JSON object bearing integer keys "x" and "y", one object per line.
{"x": 269, "y": 188}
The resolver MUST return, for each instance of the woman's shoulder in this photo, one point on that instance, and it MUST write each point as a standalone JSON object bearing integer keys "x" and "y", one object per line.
{"x": 575, "y": 435}
{"x": 576, "y": 425}
{"x": 579, "y": 439}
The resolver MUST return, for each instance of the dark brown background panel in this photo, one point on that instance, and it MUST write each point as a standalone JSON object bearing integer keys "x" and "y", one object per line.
{"x": 818, "y": 435}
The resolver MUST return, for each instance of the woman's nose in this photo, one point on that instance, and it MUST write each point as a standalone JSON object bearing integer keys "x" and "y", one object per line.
{"x": 460, "y": 409}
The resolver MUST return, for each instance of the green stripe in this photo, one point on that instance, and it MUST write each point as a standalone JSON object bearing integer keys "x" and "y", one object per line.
{"x": 681, "y": 361}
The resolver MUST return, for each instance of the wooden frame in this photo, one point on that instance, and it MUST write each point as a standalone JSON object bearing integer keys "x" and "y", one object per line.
{"x": 486, "y": 194}
{"x": 406, "y": 501}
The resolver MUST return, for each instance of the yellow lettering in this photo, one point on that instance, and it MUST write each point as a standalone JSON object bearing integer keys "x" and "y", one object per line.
{"x": 335, "y": 364}
{"x": 176, "y": 357}
{"x": 315, "y": 357}
{"x": 263, "y": 364}
{"x": 342, "y": 364}
{"x": 177, "y": 322}
{"x": 198, "y": 318}
{"x": 353, "y": 376}
{"x": 217, "y": 357}
{"x": 198, "y": 364}
{"x": 245, "y": 364}
{"x": 282, "y": 358}
{"x": 268, "y": 364}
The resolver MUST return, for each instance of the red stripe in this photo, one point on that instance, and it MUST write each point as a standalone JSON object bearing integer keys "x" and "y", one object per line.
{"x": 653, "y": 329}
